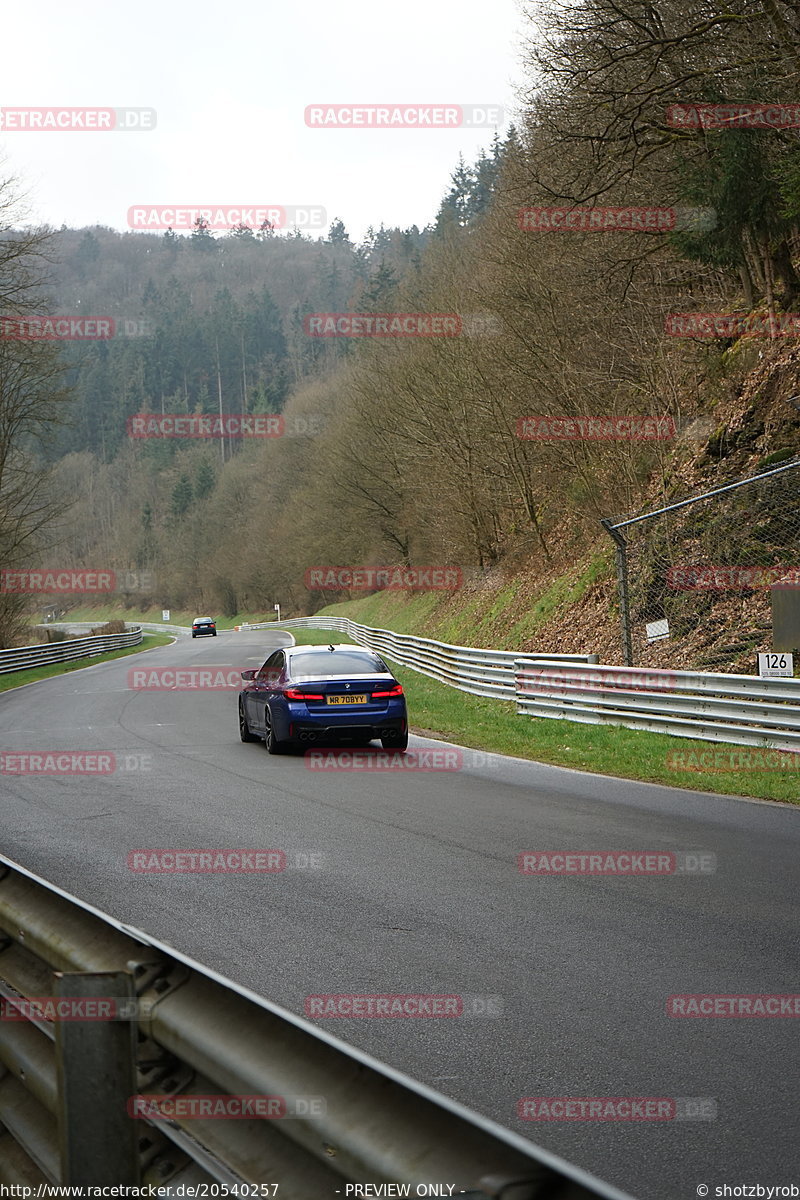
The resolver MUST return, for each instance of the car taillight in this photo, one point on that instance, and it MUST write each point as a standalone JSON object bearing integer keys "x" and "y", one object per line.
{"x": 296, "y": 694}
{"x": 395, "y": 691}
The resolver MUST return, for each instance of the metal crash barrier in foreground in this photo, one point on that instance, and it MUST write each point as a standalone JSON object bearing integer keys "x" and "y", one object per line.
{"x": 186, "y": 1033}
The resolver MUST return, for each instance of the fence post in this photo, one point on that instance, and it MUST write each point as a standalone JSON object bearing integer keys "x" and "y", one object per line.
{"x": 620, "y": 551}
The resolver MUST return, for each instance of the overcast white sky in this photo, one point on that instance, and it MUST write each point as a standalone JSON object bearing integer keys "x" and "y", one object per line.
{"x": 230, "y": 85}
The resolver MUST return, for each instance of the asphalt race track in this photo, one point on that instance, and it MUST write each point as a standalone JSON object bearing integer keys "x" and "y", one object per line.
{"x": 407, "y": 882}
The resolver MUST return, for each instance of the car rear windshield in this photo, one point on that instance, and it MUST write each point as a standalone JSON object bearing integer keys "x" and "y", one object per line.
{"x": 337, "y": 662}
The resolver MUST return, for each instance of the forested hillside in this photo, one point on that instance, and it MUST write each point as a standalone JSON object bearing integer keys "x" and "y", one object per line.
{"x": 407, "y": 450}
{"x": 196, "y": 316}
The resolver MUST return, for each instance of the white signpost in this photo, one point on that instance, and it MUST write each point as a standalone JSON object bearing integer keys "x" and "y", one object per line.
{"x": 165, "y": 614}
{"x": 774, "y": 665}
{"x": 277, "y": 608}
{"x": 657, "y": 630}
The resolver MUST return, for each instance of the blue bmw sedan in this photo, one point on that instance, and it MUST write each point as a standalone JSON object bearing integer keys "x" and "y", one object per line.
{"x": 307, "y": 694}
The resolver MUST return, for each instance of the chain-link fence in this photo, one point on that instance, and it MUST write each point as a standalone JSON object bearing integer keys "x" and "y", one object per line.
{"x": 694, "y": 576}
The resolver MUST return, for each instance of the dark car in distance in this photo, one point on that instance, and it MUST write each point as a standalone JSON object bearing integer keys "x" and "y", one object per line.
{"x": 307, "y": 694}
{"x": 204, "y": 625}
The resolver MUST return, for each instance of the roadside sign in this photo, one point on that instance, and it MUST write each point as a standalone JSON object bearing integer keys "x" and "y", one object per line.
{"x": 165, "y": 614}
{"x": 657, "y": 630}
{"x": 774, "y": 666}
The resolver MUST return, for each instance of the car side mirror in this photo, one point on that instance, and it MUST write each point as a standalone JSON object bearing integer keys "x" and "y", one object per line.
{"x": 248, "y": 674}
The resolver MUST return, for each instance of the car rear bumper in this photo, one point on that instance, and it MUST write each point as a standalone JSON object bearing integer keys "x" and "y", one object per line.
{"x": 299, "y": 722}
{"x": 320, "y": 731}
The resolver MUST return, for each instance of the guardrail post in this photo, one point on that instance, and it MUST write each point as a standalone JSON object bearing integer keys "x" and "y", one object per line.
{"x": 356, "y": 1119}
{"x": 96, "y": 1069}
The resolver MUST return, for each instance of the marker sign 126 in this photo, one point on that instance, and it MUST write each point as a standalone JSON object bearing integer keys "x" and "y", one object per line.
{"x": 774, "y": 665}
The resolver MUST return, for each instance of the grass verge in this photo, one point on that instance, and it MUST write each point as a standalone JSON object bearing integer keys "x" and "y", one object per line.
{"x": 437, "y": 710}
{"x": 18, "y": 678}
{"x": 503, "y": 616}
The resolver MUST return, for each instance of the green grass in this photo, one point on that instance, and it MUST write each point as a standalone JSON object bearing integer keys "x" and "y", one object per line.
{"x": 407, "y": 613}
{"x": 441, "y": 711}
{"x": 563, "y": 592}
{"x": 18, "y": 678}
{"x": 482, "y": 617}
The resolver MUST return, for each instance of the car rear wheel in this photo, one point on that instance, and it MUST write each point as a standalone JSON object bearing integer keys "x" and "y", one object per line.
{"x": 273, "y": 745}
{"x": 244, "y": 728}
{"x": 194, "y": 635}
{"x": 394, "y": 742}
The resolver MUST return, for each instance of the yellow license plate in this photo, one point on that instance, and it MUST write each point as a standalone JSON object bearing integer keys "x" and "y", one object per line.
{"x": 346, "y": 699}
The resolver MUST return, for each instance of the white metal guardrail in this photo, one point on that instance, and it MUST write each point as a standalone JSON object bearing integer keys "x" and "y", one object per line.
{"x": 179, "y": 1033}
{"x": 743, "y": 709}
{"x": 710, "y": 706}
{"x": 25, "y": 657}
{"x": 480, "y": 672}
